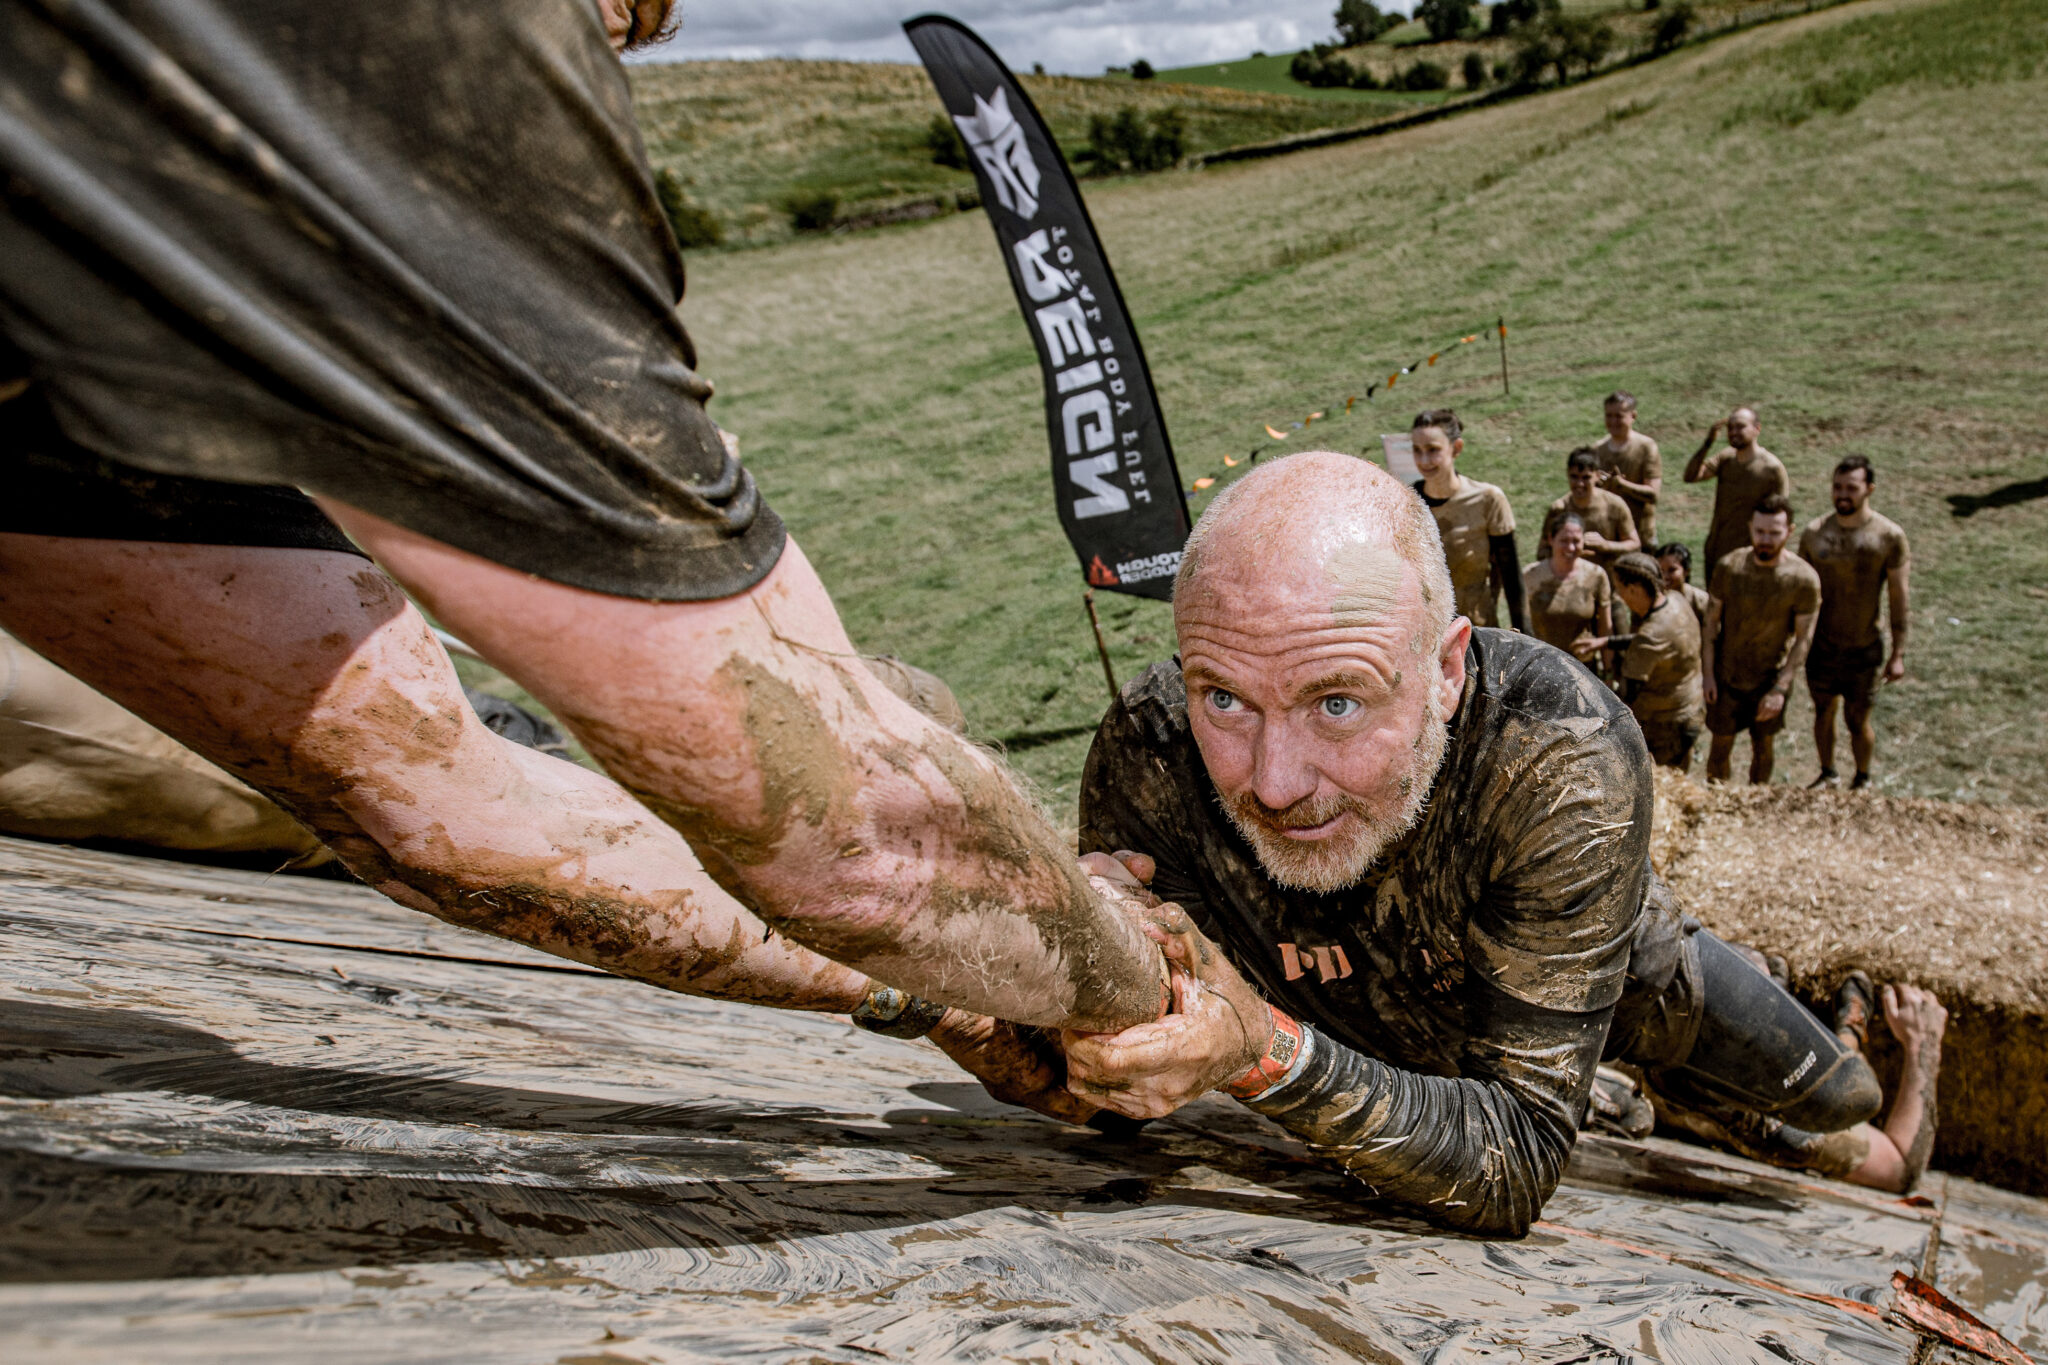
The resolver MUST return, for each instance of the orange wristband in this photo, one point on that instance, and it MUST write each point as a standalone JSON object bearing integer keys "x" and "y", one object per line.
{"x": 1281, "y": 1051}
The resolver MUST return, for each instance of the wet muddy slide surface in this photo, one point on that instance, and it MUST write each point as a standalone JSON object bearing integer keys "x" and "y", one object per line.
{"x": 249, "y": 1119}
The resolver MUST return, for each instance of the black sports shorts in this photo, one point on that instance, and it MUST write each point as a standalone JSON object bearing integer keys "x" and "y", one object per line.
{"x": 402, "y": 254}
{"x": 57, "y": 488}
{"x": 1851, "y": 674}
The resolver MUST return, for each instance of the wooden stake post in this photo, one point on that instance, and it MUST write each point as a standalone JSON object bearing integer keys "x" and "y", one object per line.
{"x": 1504, "y": 357}
{"x": 1101, "y": 648}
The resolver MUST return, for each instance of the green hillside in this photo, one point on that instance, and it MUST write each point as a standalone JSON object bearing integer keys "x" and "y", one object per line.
{"x": 746, "y": 135}
{"x": 1842, "y": 219}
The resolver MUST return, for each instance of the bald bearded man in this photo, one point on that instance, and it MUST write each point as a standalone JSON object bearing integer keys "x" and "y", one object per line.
{"x": 1423, "y": 853}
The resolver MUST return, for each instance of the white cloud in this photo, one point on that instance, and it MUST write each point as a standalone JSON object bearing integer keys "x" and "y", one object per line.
{"x": 1079, "y": 37}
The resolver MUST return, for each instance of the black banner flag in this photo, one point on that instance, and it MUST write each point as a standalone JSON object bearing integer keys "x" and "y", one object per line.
{"x": 1113, "y": 474}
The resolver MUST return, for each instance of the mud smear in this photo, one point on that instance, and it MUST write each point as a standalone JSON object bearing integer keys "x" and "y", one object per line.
{"x": 987, "y": 876}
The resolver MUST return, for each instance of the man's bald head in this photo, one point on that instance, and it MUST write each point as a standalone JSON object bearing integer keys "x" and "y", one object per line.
{"x": 1315, "y": 523}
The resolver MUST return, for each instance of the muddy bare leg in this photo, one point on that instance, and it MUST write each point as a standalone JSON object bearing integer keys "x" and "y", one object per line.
{"x": 1720, "y": 755}
{"x": 1862, "y": 734}
{"x": 308, "y": 674}
{"x": 848, "y": 820}
{"x": 1824, "y": 731}
{"x": 1762, "y": 756}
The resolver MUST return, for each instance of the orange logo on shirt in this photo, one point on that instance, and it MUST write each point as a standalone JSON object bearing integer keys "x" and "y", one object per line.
{"x": 1100, "y": 574}
{"x": 1329, "y": 964}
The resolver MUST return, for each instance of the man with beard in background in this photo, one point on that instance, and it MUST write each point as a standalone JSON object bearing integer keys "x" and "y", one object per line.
{"x": 1405, "y": 871}
{"x": 1860, "y": 555}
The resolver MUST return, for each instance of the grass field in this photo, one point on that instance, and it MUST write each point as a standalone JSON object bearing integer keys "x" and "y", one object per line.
{"x": 748, "y": 134}
{"x": 1842, "y": 219}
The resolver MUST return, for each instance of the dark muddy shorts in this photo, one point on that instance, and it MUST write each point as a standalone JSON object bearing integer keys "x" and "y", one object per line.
{"x": 1670, "y": 742}
{"x": 57, "y": 488}
{"x": 1731, "y": 712}
{"x": 404, "y": 255}
{"x": 1850, "y": 674}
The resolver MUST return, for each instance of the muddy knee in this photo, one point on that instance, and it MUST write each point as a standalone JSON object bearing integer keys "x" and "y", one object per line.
{"x": 1846, "y": 1094}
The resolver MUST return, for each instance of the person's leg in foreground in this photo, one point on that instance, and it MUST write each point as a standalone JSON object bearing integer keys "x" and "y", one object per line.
{"x": 307, "y": 672}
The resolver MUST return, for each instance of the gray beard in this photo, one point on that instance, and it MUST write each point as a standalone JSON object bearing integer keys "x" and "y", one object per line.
{"x": 1333, "y": 864}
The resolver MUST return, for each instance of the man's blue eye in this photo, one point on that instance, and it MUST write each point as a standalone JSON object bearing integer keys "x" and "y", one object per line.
{"x": 1221, "y": 700}
{"x": 1339, "y": 707}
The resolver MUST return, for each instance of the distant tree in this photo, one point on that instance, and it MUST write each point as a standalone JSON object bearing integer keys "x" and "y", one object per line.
{"x": 1038, "y": 68}
{"x": 1126, "y": 143}
{"x": 1673, "y": 28}
{"x": 1322, "y": 67}
{"x": 1475, "y": 71}
{"x": 1361, "y": 21}
{"x": 694, "y": 225}
{"x": 1587, "y": 41}
{"x": 942, "y": 140}
{"x": 1169, "y": 141}
{"x": 1559, "y": 43}
{"x": 1141, "y": 70}
{"x": 1260, "y": 53}
{"x": 1445, "y": 19}
{"x": 1509, "y": 15}
{"x": 811, "y": 210}
{"x": 1425, "y": 75}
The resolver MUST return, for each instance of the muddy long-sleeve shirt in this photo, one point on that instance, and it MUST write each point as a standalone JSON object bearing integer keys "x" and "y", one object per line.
{"x": 1462, "y": 991}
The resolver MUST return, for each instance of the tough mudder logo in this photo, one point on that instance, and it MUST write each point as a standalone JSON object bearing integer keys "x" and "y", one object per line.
{"x": 997, "y": 141}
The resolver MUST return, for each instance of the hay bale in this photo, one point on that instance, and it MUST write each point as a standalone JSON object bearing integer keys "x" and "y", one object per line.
{"x": 1947, "y": 896}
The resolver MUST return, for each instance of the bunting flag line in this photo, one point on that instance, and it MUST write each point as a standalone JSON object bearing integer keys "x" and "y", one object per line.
{"x": 1283, "y": 434}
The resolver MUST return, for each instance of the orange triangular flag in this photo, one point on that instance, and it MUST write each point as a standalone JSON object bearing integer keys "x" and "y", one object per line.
{"x": 1276, "y": 435}
{"x": 1202, "y": 483}
{"x": 1432, "y": 359}
{"x": 1229, "y": 463}
{"x": 1348, "y": 402}
{"x": 1390, "y": 380}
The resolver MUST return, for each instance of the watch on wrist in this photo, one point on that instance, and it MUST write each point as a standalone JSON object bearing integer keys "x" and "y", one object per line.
{"x": 897, "y": 1014}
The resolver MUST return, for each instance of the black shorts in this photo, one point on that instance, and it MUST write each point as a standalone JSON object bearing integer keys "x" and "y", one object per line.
{"x": 1850, "y": 674}
{"x": 1670, "y": 741}
{"x": 1732, "y": 711}
{"x": 405, "y": 255}
{"x": 56, "y": 488}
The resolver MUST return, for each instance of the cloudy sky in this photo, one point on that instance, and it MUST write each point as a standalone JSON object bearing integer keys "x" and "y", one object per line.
{"x": 1079, "y": 37}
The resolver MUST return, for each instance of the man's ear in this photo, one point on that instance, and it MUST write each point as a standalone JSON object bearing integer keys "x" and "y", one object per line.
{"x": 1451, "y": 661}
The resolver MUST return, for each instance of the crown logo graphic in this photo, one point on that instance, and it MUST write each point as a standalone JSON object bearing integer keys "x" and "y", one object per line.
{"x": 995, "y": 137}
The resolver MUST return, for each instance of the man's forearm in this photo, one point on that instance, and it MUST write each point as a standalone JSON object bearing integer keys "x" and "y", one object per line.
{"x": 816, "y": 797}
{"x": 1911, "y": 1125}
{"x": 1802, "y": 642}
{"x": 1461, "y": 1152}
{"x": 1694, "y": 467}
{"x": 1507, "y": 570}
{"x": 1901, "y": 610}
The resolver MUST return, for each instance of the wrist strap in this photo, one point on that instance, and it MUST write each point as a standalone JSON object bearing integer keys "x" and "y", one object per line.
{"x": 1284, "y": 1051}
{"x": 897, "y": 1014}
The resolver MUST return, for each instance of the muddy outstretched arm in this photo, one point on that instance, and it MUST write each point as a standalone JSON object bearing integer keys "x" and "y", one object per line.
{"x": 307, "y": 674}
{"x": 1480, "y": 1154}
{"x": 815, "y": 796}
